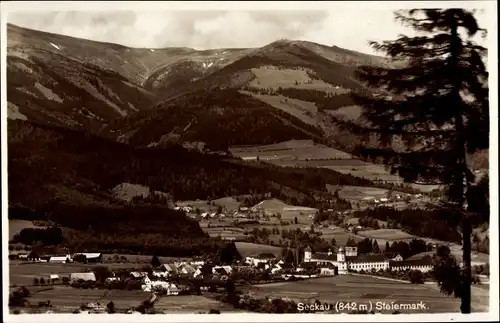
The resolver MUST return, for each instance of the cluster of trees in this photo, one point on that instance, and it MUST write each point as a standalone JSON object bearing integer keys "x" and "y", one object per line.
{"x": 405, "y": 249}
{"x": 47, "y": 236}
{"x": 288, "y": 238}
{"x": 437, "y": 224}
{"x": 369, "y": 222}
{"x": 17, "y": 298}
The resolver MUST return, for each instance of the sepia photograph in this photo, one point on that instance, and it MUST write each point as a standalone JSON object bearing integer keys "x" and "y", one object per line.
{"x": 251, "y": 160}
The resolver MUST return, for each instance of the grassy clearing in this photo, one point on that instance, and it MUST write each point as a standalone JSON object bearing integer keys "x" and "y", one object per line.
{"x": 272, "y": 77}
{"x": 386, "y": 234}
{"x": 248, "y": 249}
{"x": 305, "y": 111}
{"x": 351, "y": 112}
{"x": 297, "y": 153}
{"x": 190, "y": 304}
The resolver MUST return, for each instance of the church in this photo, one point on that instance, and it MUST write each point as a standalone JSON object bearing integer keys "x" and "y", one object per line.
{"x": 346, "y": 259}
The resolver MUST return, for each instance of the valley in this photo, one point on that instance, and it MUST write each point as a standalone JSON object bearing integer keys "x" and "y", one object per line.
{"x": 228, "y": 155}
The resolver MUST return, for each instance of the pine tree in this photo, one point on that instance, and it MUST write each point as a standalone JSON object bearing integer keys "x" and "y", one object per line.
{"x": 387, "y": 248}
{"x": 430, "y": 111}
{"x": 155, "y": 262}
{"x": 375, "y": 248}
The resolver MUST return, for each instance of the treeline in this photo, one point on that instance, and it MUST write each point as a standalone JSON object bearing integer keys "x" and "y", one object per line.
{"x": 405, "y": 249}
{"x": 47, "y": 236}
{"x": 437, "y": 224}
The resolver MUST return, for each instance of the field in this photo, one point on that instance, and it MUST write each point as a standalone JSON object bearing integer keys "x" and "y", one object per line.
{"x": 66, "y": 298}
{"x": 272, "y": 77}
{"x": 293, "y": 151}
{"x": 22, "y": 273}
{"x": 248, "y": 249}
{"x": 386, "y": 234}
{"x": 15, "y": 226}
{"x": 362, "y": 290}
{"x": 340, "y": 235}
{"x": 191, "y": 304}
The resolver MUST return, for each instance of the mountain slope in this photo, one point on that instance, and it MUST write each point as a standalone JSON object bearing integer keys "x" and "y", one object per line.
{"x": 48, "y": 85}
{"x": 48, "y": 164}
{"x": 219, "y": 119}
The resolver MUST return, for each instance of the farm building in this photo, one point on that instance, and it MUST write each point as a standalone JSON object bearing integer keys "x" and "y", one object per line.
{"x": 59, "y": 259}
{"x": 261, "y": 258}
{"x": 424, "y": 264}
{"x": 137, "y": 274}
{"x": 87, "y": 257}
{"x": 74, "y": 277}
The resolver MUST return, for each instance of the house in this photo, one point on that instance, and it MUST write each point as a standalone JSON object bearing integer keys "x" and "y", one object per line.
{"x": 307, "y": 265}
{"x": 186, "y": 269}
{"x": 112, "y": 279}
{"x": 59, "y": 259}
{"x": 393, "y": 256}
{"x": 264, "y": 257}
{"x": 347, "y": 259}
{"x": 154, "y": 285}
{"x": 74, "y": 277}
{"x": 222, "y": 270}
{"x": 161, "y": 274}
{"x": 89, "y": 256}
{"x": 328, "y": 270}
{"x": 424, "y": 264}
{"x": 53, "y": 278}
{"x": 172, "y": 290}
{"x": 276, "y": 268}
{"x": 137, "y": 274}
{"x": 198, "y": 273}
{"x": 34, "y": 256}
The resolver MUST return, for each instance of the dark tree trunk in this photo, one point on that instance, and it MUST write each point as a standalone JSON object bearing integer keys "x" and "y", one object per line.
{"x": 461, "y": 183}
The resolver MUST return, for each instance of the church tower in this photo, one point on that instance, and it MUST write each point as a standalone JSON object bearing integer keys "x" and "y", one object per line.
{"x": 341, "y": 254}
{"x": 307, "y": 254}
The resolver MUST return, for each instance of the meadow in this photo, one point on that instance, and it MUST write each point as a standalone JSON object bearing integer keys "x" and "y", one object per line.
{"x": 290, "y": 153}
{"x": 249, "y": 249}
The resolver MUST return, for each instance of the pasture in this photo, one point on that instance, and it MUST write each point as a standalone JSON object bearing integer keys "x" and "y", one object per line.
{"x": 22, "y": 273}
{"x": 190, "y": 304}
{"x": 386, "y": 234}
{"x": 302, "y": 110}
{"x": 359, "y": 193}
{"x": 248, "y": 249}
{"x": 273, "y": 77}
{"x": 362, "y": 290}
{"x": 293, "y": 153}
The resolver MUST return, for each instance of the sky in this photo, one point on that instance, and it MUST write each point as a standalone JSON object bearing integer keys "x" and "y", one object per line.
{"x": 350, "y": 27}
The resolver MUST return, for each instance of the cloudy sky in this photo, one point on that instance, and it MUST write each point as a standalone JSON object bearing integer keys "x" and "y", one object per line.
{"x": 349, "y": 27}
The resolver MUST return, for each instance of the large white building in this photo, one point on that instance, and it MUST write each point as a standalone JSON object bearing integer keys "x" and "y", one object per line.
{"x": 347, "y": 259}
